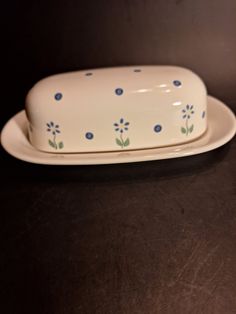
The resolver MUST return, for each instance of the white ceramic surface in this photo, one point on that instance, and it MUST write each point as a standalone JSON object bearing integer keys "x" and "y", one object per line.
{"x": 115, "y": 109}
{"x": 221, "y": 128}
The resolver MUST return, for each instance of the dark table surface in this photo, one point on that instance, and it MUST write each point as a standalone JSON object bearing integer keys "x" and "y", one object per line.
{"x": 151, "y": 237}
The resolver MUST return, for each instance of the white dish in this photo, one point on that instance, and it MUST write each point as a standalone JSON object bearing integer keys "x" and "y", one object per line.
{"x": 221, "y": 129}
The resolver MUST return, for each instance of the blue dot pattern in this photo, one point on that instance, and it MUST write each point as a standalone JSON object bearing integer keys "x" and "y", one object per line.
{"x": 177, "y": 83}
{"x": 157, "y": 128}
{"x": 58, "y": 96}
{"x": 89, "y": 135}
{"x": 119, "y": 91}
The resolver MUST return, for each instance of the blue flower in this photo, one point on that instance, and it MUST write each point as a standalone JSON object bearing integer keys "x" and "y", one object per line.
{"x": 157, "y": 128}
{"x": 121, "y": 126}
{"x": 89, "y": 135}
{"x": 119, "y": 91}
{"x": 51, "y": 127}
{"x": 188, "y": 111}
{"x": 58, "y": 96}
{"x": 177, "y": 83}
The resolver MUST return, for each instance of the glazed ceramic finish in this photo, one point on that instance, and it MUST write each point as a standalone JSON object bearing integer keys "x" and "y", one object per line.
{"x": 116, "y": 109}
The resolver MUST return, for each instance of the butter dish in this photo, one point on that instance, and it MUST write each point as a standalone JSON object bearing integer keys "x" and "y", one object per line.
{"x": 115, "y": 115}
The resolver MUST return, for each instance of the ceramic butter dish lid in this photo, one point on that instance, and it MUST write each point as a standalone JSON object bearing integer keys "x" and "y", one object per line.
{"x": 116, "y": 109}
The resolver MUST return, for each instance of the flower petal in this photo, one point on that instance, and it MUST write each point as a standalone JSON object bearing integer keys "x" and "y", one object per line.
{"x": 126, "y": 129}
{"x": 192, "y": 112}
{"x": 121, "y": 131}
{"x": 121, "y": 120}
{"x": 57, "y": 126}
{"x": 126, "y": 123}
{"x": 183, "y": 110}
{"x": 52, "y": 124}
{"x": 187, "y": 107}
{"x": 116, "y": 124}
{"x": 48, "y": 125}
{"x": 184, "y": 116}
{"x": 49, "y": 130}
{"x": 191, "y": 107}
{"x": 58, "y": 131}
{"x": 54, "y": 133}
{"x": 117, "y": 129}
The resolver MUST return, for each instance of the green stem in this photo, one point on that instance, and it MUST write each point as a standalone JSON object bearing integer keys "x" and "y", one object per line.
{"x": 54, "y": 141}
{"x": 186, "y": 126}
{"x": 122, "y": 141}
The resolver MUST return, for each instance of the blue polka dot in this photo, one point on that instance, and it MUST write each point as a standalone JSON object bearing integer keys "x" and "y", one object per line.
{"x": 119, "y": 91}
{"x": 89, "y": 74}
{"x": 58, "y": 96}
{"x": 137, "y": 70}
{"x": 157, "y": 128}
{"x": 89, "y": 135}
{"x": 177, "y": 83}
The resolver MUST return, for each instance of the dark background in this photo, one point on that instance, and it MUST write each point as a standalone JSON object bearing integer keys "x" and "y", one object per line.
{"x": 153, "y": 237}
{"x": 40, "y": 38}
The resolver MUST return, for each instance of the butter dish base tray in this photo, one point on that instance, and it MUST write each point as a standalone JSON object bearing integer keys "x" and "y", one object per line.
{"x": 221, "y": 127}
